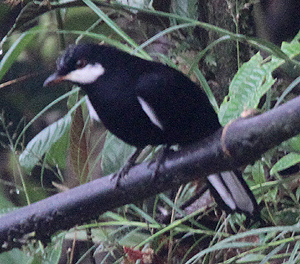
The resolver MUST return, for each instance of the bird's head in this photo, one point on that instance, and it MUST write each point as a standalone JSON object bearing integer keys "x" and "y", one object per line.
{"x": 78, "y": 65}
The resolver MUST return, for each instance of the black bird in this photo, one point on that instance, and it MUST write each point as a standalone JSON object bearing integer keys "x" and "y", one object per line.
{"x": 148, "y": 103}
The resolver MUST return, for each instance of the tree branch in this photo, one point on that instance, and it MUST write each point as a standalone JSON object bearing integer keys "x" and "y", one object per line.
{"x": 245, "y": 140}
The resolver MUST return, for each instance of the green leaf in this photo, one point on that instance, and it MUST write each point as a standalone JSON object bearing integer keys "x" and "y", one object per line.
{"x": 258, "y": 172}
{"x": 14, "y": 51}
{"x": 43, "y": 142}
{"x": 75, "y": 90}
{"x": 15, "y": 256}
{"x": 115, "y": 154}
{"x": 57, "y": 153}
{"x": 292, "y": 49}
{"x": 293, "y": 144}
{"x": 285, "y": 162}
{"x": 250, "y": 83}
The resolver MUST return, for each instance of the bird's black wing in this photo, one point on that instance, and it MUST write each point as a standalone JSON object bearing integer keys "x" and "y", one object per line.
{"x": 176, "y": 105}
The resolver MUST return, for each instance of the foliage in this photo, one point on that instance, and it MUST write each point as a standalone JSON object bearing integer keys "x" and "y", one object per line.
{"x": 138, "y": 225}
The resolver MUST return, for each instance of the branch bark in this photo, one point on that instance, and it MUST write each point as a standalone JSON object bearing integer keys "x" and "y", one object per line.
{"x": 245, "y": 140}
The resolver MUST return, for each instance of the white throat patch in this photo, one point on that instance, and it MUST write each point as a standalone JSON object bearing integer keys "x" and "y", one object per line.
{"x": 86, "y": 75}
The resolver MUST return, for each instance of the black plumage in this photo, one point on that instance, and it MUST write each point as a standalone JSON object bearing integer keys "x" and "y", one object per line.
{"x": 144, "y": 102}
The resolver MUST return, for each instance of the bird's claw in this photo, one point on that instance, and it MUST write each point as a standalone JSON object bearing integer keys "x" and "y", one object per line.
{"x": 121, "y": 174}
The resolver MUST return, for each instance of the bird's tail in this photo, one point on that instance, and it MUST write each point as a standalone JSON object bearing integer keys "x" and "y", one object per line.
{"x": 232, "y": 193}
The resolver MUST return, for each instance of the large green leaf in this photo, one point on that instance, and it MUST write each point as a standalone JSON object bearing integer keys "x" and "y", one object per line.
{"x": 247, "y": 87}
{"x": 42, "y": 142}
{"x": 285, "y": 162}
{"x": 252, "y": 81}
{"x": 56, "y": 156}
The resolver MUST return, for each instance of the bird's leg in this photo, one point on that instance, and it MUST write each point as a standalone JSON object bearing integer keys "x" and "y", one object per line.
{"x": 129, "y": 164}
{"x": 159, "y": 160}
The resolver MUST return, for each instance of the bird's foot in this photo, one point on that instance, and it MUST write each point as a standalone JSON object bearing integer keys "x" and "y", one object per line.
{"x": 121, "y": 173}
{"x": 126, "y": 168}
{"x": 159, "y": 160}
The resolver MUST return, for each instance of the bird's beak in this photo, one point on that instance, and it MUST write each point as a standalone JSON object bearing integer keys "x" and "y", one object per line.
{"x": 54, "y": 79}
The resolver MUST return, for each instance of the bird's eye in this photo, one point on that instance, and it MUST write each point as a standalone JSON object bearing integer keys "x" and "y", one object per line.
{"x": 80, "y": 64}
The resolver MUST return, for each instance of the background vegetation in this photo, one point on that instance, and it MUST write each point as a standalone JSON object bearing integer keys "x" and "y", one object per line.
{"x": 49, "y": 144}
